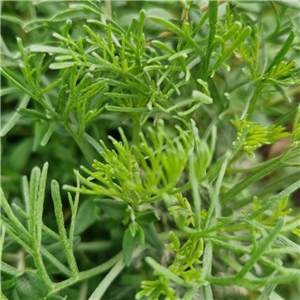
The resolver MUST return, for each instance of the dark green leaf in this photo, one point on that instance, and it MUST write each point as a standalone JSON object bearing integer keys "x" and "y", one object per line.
{"x": 114, "y": 208}
{"x": 7, "y": 269}
{"x": 213, "y": 20}
{"x": 30, "y": 286}
{"x": 129, "y": 243}
{"x": 147, "y": 218}
{"x": 20, "y": 154}
{"x": 55, "y": 297}
{"x": 152, "y": 237}
{"x": 86, "y": 217}
{"x": 141, "y": 235}
{"x": 40, "y": 129}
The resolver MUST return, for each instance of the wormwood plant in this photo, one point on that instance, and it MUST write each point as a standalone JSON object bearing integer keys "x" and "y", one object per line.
{"x": 181, "y": 123}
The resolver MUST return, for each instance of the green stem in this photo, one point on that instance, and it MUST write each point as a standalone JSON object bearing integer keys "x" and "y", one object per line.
{"x": 264, "y": 170}
{"x": 79, "y": 142}
{"x": 191, "y": 292}
{"x": 234, "y": 228}
{"x": 106, "y": 266}
{"x": 2, "y": 239}
{"x": 111, "y": 276}
{"x": 252, "y": 103}
{"x": 38, "y": 261}
{"x": 195, "y": 193}
{"x": 87, "y": 274}
{"x": 261, "y": 249}
{"x": 215, "y": 203}
{"x": 136, "y": 128}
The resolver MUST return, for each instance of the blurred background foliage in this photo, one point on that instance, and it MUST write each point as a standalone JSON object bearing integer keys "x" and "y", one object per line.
{"x": 34, "y": 22}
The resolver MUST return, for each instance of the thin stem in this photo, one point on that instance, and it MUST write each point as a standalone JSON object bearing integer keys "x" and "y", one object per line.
{"x": 111, "y": 276}
{"x": 136, "y": 128}
{"x": 90, "y": 273}
{"x": 264, "y": 169}
{"x": 195, "y": 191}
{"x": 2, "y": 240}
{"x": 105, "y": 266}
{"x": 79, "y": 142}
{"x": 56, "y": 262}
{"x": 38, "y": 261}
{"x": 204, "y": 8}
{"x": 74, "y": 214}
{"x": 207, "y": 260}
{"x": 184, "y": 16}
{"x": 252, "y": 103}
{"x": 106, "y": 282}
{"x": 263, "y": 246}
{"x": 214, "y": 204}
{"x": 191, "y": 293}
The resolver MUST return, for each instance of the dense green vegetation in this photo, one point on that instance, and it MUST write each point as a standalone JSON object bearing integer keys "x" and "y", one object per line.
{"x": 150, "y": 150}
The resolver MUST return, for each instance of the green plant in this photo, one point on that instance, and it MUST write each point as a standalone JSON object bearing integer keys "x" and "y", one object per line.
{"x": 180, "y": 151}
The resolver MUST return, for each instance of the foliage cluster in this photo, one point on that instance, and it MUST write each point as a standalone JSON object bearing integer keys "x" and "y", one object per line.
{"x": 186, "y": 197}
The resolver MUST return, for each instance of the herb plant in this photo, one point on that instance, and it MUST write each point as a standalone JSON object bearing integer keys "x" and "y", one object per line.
{"x": 181, "y": 122}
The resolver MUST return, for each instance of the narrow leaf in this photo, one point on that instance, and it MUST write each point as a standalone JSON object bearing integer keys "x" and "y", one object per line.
{"x": 162, "y": 46}
{"x": 40, "y": 204}
{"x": 12, "y": 19}
{"x": 165, "y": 272}
{"x": 213, "y": 20}
{"x": 6, "y": 268}
{"x": 259, "y": 173}
{"x": 48, "y": 49}
{"x": 47, "y": 135}
{"x": 16, "y": 116}
{"x": 265, "y": 243}
{"x": 8, "y": 91}
{"x": 62, "y": 65}
{"x": 32, "y": 113}
{"x": 151, "y": 237}
{"x": 7, "y": 74}
{"x": 282, "y": 52}
{"x": 168, "y": 25}
{"x": 127, "y": 109}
